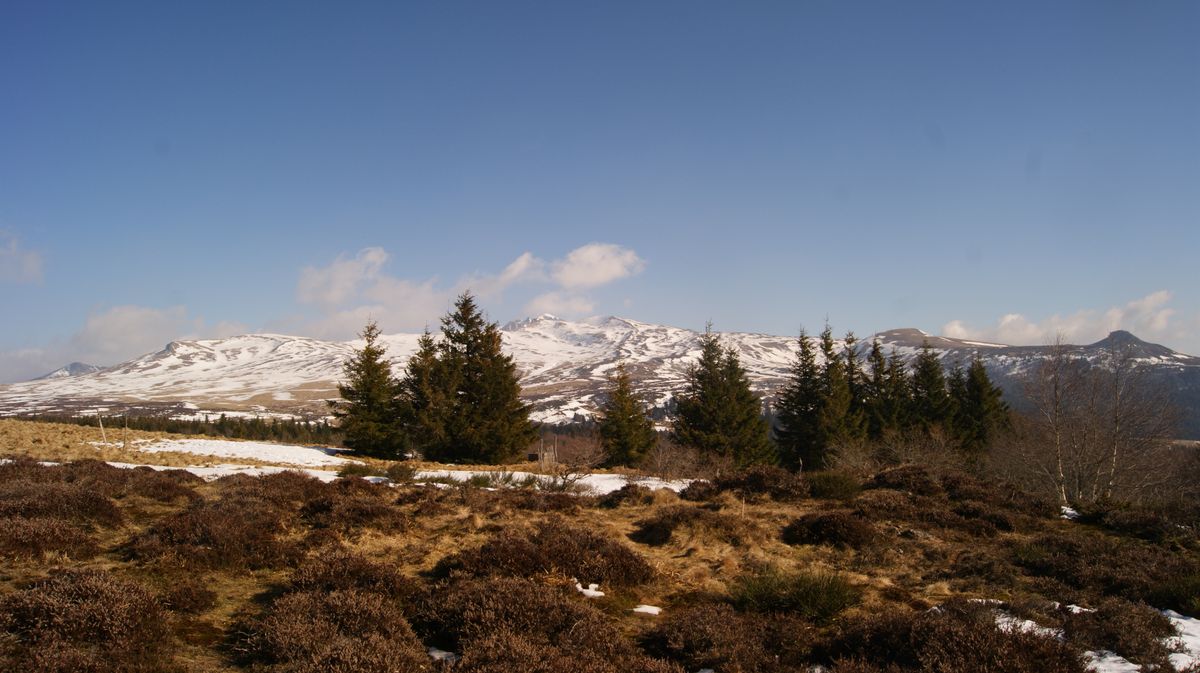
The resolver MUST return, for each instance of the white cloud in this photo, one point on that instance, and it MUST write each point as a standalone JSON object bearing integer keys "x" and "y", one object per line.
{"x": 112, "y": 336}
{"x": 18, "y": 265}
{"x": 596, "y": 264}
{"x": 349, "y": 291}
{"x": 1149, "y": 318}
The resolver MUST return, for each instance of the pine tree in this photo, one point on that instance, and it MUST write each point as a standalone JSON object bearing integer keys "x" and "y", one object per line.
{"x": 930, "y": 399}
{"x": 718, "y": 413}
{"x": 838, "y": 423}
{"x": 897, "y": 396}
{"x": 465, "y": 392}
{"x": 369, "y": 406}
{"x": 798, "y": 410}
{"x": 626, "y": 432}
{"x": 980, "y": 410}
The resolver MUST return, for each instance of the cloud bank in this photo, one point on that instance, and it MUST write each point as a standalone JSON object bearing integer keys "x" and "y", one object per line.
{"x": 18, "y": 265}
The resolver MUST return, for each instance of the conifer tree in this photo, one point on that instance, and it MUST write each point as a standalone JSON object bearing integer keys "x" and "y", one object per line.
{"x": 855, "y": 423}
{"x": 980, "y": 410}
{"x": 469, "y": 407}
{"x": 885, "y": 400}
{"x": 626, "y": 432}
{"x": 838, "y": 424}
{"x": 931, "y": 404}
{"x": 369, "y": 406}
{"x": 717, "y": 412}
{"x": 798, "y": 411}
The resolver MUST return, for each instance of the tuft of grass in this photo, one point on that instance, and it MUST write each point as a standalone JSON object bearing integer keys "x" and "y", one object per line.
{"x": 837, "y": 529}
{"x": 832, "y": 485}
{"x": 818, "y": 596}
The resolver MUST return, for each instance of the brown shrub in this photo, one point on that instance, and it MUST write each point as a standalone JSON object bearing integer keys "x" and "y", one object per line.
{"x": 998, "y": 494}
{"x": 286, "y": 488}
{"x": 344, "y": 631}
{"x": 629, "y": 494}
{"x": 554, "y": 547}
{"x": 163, "y": 486}
{"x": 957, "y": 637}
{"x": 340, "y": 570}
{"x": 832, "y": 485}
{"x": 509, "y": 652}
{"x": 715, "y": 636}
{"x": 907, "y": 478}
{"x": 989, "y": 514}
{"x": 70, "y": 502}
{"x": 981, "y": 566}
{"x": 1132, "y": 630}
{"x": 234, "y": 532}
{"x": 190, "y": 595}
{"x": 699, "y": 490}
{"x": 348, "y": 511}
{"x": 885, "y": 505}
{"x": 85, "y": 620}
{"x": 762, "y": 481}
{"x": 837, "y": 529}
{"x": 817, "y": 596}
{"x": 657, "y": 529}
{"x": 34, "y": 538}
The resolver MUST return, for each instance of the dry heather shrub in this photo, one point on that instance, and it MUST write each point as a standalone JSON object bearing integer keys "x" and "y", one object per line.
{"x": 554, "y": 547}
{"x": 340, "y": 570}
{"x": 347, "y": 511}
{"x": 1104, "y": 566}
{"x": 1172, "y": 524}
{"x": 190, "y": 595}
{"x": 71, "y": 502}
{"x": 837, "y": 529}
{"x": 699, "y": 491}
{"x": 1132, "y": 630}
{"x": 960, "y": 486}
{"x": 344, "y": 631}
{"x": 84, "y": 620}
{"x": 287, "y": 488}
{"x": 472, "y": 609}
{"x": 716, "y": 637}
{"x": 885, "y": 505}
{"x": 817, "y": 596}
{"x": 957, "y": 637}
{"x": 34, "y": 538}
{"x": 508, "y": 652}
{"x": 761, "y": 481}
{"x": 981, "y": 567}
{"x": 832, "y": 485}
{"x": 657, "y": 529}
{"x": 488, "y": 502}
{"x": 163, "y": 486}
{"x": 235, "y": 532}
{"x": 629, "y": 494}
{"x": 908, "y": 478}
{"x": 971, "y": 510}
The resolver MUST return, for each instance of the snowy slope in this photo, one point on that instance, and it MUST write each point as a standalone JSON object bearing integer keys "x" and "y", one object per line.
{"x": 564, "y": 365}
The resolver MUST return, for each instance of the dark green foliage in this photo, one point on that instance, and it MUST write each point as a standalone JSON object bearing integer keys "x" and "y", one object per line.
{"x": 959, "y": 636}
{"x": 797, "y": 411}
{"x": 84, "y": 620}
{"x": 715, "y": 637}
{"x": 837, "y": 529}
{"x": 369, "y": 409}
{"x": 463, "y": 393}
{"x": 626, "y": 432}
{"x": 841, "y": 417}
{"x": 717, "y": 413}
{"x": 345, "y": 631}
{"x": 553, "y": 547}
{"x": 280, "y": 430}
{"x": 979, "y": 408}
{"x": 658, "y": 529}
{"x": 887, "y": 394}
{"x": 817, "y": 596}
{"x": 931, "y": 402}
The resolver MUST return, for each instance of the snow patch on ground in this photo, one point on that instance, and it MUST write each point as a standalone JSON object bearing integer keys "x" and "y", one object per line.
{"x": 599, "y": 484}
{"x": 214, "y": 472}
{"x": 304, "y": 456}
{"x": 1188, "y": 639}
{"x": 648, "y": 610}
{"x": 592, "y": 590}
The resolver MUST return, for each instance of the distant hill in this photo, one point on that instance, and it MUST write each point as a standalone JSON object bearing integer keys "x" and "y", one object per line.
{"x": 564, "y": 366}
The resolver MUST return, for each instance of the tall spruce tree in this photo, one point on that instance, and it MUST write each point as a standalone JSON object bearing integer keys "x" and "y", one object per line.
{"x": 465, "y": 392}
{"x": 798, "y": 411}
{"x": 884, "y": 404}
{"x": 980, "y": 411}
{"x": 838, "y": 424}
{"x": 626, "y": 432}
{"x": 717, "y": 412}
{"x": 370, "y": 404}
{"x": 931, "y": 404}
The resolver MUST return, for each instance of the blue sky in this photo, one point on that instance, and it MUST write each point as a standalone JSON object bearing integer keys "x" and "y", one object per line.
{"x": 993, "y": 170}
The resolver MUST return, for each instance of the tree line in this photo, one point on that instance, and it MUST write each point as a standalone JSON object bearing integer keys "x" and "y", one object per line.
{"x": 230, "y": 427}
{"x": 458, "y": 400}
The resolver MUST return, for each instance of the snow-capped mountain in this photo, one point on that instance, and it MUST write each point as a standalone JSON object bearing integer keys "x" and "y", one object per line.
{"x": 73, "y": 369}
{"x": 564, "y": 366}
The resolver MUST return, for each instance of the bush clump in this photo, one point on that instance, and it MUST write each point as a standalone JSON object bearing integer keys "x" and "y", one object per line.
{"x": 37, "y": 537}
{"x": 84, "y": 620}
{"x": 699, "y": 490}
{"x": 957, "y": 636}
{"x": 68, "y": 502}
{"x": 913, "y": 479}
{"x": 715, "y": 637}
{"x": 346, "y": 631}
{"x": 340, "y": 570}
{"x": 553, "y": 547}
{"x": 767, "y": 481}
{"x": 1133, "y": 630}
{"x": 658, "y": 529}
{"x": 234, "y": 532}
{"x": 832, "y": 485}
{"x": 347, "y": 511}
{"x": 836, "y": 529}
{"x": 629, "y": 494}
{"x": 818, "y": 596}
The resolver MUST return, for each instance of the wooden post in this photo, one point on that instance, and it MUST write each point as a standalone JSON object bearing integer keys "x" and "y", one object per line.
{"x": 103, "y": 436}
